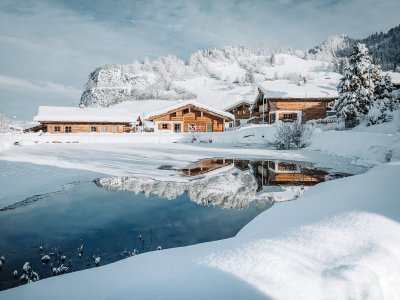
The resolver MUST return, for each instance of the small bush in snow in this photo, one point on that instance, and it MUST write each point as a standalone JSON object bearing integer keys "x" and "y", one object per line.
{"x": 290, "y": 135}
{"x": 28, "y": 275}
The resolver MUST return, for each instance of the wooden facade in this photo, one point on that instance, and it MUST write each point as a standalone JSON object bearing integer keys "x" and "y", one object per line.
{"x": 268, "y": 110}
{"x": 189, "y": 118}
{"x": 241, "y": 111}
{"x": 60, "y": 120}
{"x": 81, "y": 127}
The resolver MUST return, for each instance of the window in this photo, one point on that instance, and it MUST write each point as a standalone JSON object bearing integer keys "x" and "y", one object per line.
{"x": 103, "y": 129}
{"x": 288, "y": 167}
{"x": 93, "y": 129}
{"x": 114, "y": 129}
{"x": 177, "y": 127}
{"x": 271, "y": 165}
{"x": 57, "y": 128}
{"x": 289, "y": 116}
{"x": 164, "y": 126}
{"x": 68, "y": 129}
{"x": 192, "y": 127}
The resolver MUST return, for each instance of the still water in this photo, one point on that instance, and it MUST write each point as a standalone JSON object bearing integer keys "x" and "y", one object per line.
{"x": 109, "y": 219}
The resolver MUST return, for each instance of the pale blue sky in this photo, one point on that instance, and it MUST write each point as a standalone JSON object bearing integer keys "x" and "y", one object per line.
{"x": 48, "y": 48}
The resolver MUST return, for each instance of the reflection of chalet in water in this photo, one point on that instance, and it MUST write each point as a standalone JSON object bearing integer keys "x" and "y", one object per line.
{"x": 204, "y": 166}
{"x": 266, "y": 172}
{"x": 281, "y": 172}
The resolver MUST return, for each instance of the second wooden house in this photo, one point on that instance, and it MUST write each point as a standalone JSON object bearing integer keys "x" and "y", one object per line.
{"x": 241, "y": 110}
{"x": 190, "y": 116}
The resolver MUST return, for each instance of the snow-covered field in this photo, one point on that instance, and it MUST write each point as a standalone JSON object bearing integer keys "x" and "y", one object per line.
{"x": 340, "y": 239}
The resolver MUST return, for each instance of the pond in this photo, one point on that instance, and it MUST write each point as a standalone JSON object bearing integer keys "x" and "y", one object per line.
{"x": 94, "y": 223}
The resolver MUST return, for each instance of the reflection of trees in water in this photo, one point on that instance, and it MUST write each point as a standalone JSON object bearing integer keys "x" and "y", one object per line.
{"x": 234, "y": 184}
{"x": 228, "y": 189}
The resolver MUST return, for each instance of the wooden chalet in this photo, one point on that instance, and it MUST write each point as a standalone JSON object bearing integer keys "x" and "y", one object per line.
{"x": 287, "y": 102}
{"x": 190, "y": 116}
{"x": 241, "y": 110}
{"x": 86, "y": 120}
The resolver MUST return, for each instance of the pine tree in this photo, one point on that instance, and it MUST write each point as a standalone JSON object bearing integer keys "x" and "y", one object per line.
{"x": 384, "y": 101}
{"x": 249, "y": 77}
{"x": 272, "y": 60}
{"x": 356, "y": 88}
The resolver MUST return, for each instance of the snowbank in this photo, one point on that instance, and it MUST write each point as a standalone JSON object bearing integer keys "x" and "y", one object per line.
{"x": 370, "y": 146}
{"x": 378, "y": 143}
{"x": 340, "y": 240}
{"x": 257, "y": 134}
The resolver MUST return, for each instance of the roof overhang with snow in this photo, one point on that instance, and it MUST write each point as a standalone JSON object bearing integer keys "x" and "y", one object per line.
{"x": 327, "y": 99}
{"x": 183, "y": 104}
{"x": 283, "y": 89}
{"x": 84, "y": 115}
{"x": 238, "y": 103}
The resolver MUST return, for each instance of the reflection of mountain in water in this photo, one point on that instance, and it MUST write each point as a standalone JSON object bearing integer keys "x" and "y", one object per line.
{"x": 227, "y": 183}
{"x": 228, "y": 189}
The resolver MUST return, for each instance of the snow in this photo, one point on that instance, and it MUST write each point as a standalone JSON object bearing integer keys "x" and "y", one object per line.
{"x": 196, "y": 104}
{"x": 209, "y": 78}
{"x": 144, "y": 107}
{"x": 243, "y": 101}
{"x": 394, "y": 75}
{"x": 342, "y": 239}
{"x": 87, "y": 114}
{"x": 375, "y": 144}
{"x": 257, "y": 134}
{"x": 286, "y": 89}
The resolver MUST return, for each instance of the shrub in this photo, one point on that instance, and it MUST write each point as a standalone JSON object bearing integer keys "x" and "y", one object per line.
{"x": 290, "y": 135}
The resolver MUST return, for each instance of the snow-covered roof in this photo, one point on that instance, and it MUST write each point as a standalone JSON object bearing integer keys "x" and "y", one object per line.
{"x": 238, "y": 103}
{"x": 285, "y": 89}
{"x": 193, "y": 103}
{"x": 86, "y": 114}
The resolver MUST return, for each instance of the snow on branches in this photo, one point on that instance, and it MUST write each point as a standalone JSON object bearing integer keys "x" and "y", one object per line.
{"x": 363, "y": 90}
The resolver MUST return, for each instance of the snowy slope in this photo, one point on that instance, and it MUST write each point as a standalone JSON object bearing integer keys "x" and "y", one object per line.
{"x": 215, "y": 77}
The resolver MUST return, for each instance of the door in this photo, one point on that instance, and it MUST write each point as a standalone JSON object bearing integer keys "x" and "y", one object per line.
{"x": 209, "y": 128}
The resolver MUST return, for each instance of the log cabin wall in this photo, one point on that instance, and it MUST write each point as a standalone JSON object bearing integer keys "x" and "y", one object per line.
{"x": 241, "y": 112}
{"x": 202, "y": 120}
{"x": 311, "y": 109}
{"x": 60, "y": 127}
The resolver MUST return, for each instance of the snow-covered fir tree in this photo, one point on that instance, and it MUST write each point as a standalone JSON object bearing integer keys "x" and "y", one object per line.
{"x": 384, "y": 103}
{"x": 249, "y": 77}
{"x": 356, "y": 88}
{"x": 340, "y": 64}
